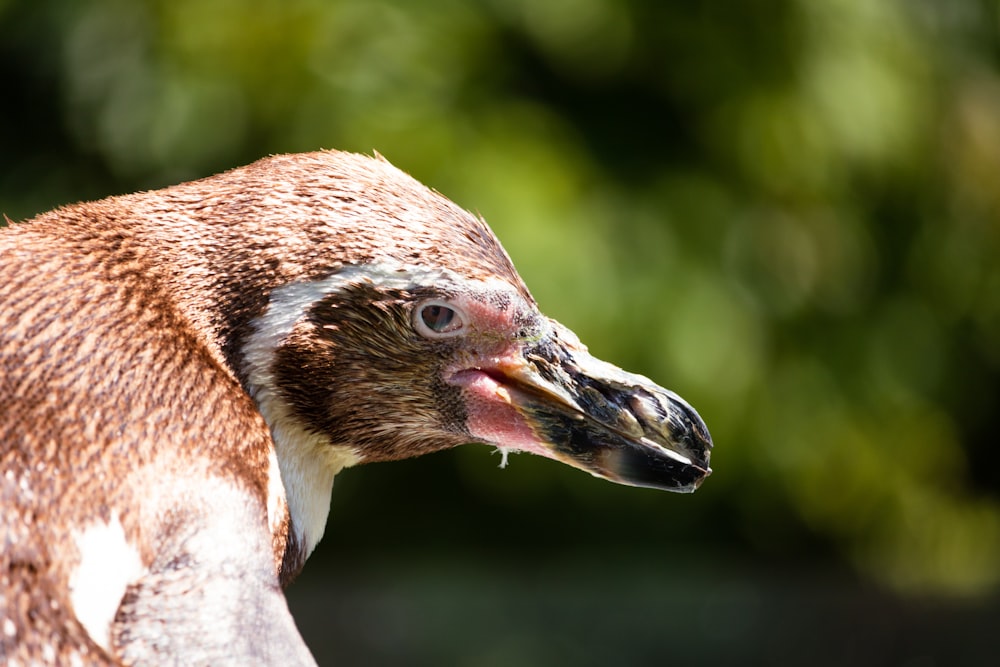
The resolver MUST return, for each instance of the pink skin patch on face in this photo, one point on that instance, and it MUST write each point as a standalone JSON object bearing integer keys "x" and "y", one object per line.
{"x": 490, "y": 320}
{"x": 491, "y": 417}
{"x": 492, "y": 327}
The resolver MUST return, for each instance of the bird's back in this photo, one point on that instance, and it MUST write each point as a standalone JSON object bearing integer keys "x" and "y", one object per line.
{"x": 111, "y": 406}
{"x": 40, "y": 374}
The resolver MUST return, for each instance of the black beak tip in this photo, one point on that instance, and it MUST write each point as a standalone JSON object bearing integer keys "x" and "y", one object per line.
{"x": 638, "y": 466}
{"x": 689, "y": 429}
{"x": 683, "y": 472}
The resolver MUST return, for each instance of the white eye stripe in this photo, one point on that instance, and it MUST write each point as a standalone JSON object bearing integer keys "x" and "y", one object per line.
{"x": 436, "y": 318}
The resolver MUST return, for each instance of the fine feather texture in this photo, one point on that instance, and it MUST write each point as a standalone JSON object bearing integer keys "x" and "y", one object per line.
{"x": 122, "y": 332}
{"x": 183, "y": 372}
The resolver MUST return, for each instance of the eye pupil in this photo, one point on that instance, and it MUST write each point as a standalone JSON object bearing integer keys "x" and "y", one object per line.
{"x": 437, "y": 318}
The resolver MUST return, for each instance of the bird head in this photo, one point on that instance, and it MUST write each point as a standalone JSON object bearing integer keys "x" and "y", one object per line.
{"x": 395, "y": 362}
{"x": 395, "y": 325}
{"x": 415, "y": 333}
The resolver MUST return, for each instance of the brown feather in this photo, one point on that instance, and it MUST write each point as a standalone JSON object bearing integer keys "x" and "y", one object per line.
{"x": 121, "y": 333}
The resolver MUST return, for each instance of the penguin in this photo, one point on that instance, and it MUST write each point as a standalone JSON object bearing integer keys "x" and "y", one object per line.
{"x": 183, "y": 373}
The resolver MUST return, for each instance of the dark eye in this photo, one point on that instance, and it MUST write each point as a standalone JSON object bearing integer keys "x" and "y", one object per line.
{"x": 435, "y": 318}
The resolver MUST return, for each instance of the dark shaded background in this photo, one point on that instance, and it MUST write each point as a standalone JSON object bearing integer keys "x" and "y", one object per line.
{"x": 786, "y": 210}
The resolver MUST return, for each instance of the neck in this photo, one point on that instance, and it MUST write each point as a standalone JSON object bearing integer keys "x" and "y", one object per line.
{"x": 307, "y": 463}
{"x": 307, "y": 460}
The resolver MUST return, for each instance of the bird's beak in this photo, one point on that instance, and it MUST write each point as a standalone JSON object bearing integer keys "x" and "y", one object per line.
{"x": 596, "y": 417}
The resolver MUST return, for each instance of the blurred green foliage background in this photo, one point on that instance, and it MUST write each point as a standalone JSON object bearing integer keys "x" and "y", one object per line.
{"x": 786, "y": 210}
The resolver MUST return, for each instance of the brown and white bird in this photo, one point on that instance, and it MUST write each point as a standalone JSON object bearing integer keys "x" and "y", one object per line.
{"x": 183, "y": 372}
